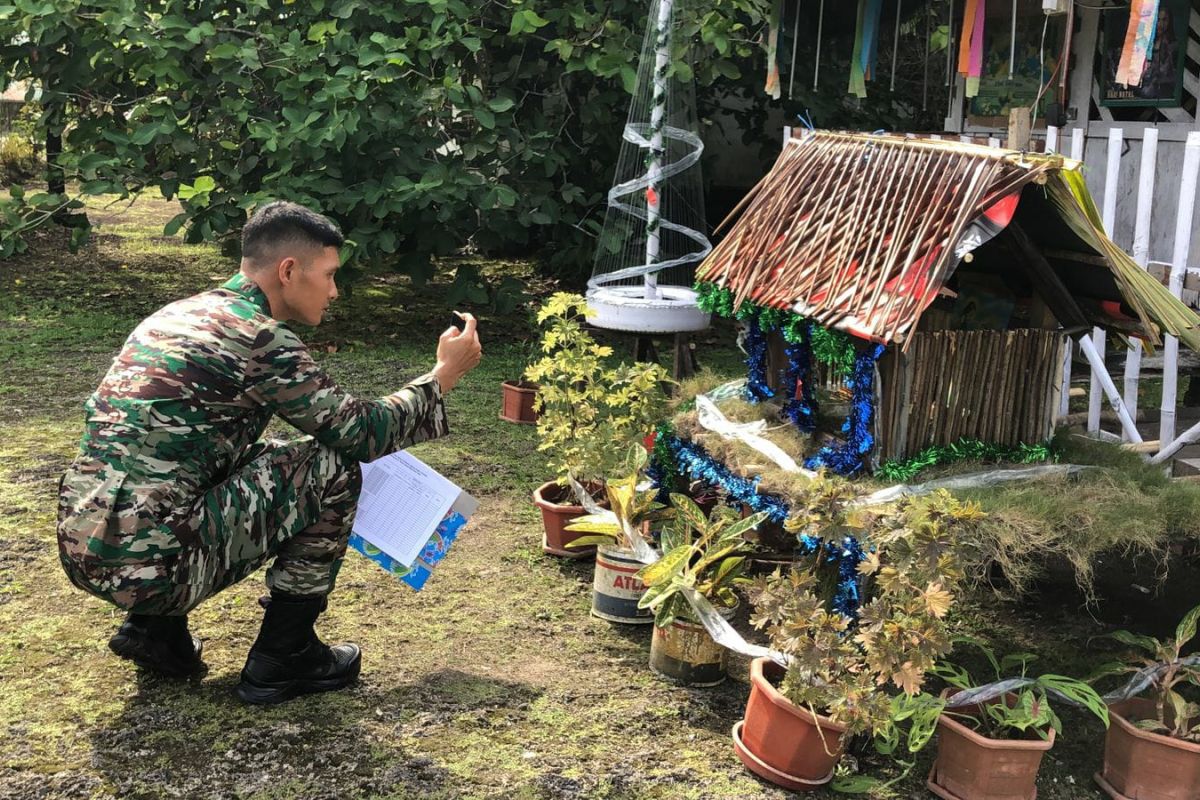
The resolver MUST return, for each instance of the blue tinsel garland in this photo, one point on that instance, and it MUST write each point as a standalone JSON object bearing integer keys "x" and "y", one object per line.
{"x": 802, "y": 410}
{"x": 691, "y": 458}
{"x": 757, "y": 389}
{"x": 848, "y": 459}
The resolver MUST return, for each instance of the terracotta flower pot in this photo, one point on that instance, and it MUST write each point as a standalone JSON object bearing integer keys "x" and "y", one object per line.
{"x": 782, "y": 742}
{"x": 973, "y": 767}
{"x": 1142, "y": 765}
{"x": 516, "y": 402}
{"x": 558, "y": 511}
{"x": 684, "y": 652}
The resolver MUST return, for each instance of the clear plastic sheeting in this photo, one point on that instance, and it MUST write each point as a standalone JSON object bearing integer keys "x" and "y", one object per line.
{"x": 1137, "y": 683}
{"x": 724, "y": 634}
{"x": 975, "y": 480}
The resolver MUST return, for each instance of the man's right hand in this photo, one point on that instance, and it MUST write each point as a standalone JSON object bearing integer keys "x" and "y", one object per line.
{"x": 457, "y": 353}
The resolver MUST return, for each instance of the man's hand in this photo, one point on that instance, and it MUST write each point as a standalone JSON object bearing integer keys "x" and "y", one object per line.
{"x": 457, "y": 353}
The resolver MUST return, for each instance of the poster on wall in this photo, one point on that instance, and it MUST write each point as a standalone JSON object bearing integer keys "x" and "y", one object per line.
{"x": 1162, "y": 48}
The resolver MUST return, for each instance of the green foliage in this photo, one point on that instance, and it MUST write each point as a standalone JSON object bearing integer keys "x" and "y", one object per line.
{"x": 590, "y": 412}
{"x": 1026, "y": 708}
{"x": 631, "y": 502}
{"x": 419, "y": 126}
{"x": 700, "y": 553}
{"x": 841, "y": 666}
{"x": 1174, "y": 714}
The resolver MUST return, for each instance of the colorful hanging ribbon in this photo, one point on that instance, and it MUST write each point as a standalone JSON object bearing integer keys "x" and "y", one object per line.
{"x": 1139, "y": 41}
{"x": 772, "y": 87}
{"x": 970, "y": 45}
{"x": 866, "y": 46}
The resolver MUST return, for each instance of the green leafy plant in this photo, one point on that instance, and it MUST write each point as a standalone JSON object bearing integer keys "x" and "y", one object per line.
{"x": 1174, "y": 714}
{"x": 1023, "y": 703}
{"x": 631, "y": 502}
{"x": 420, "y": 127}
{"x": 700, "y": 553}
{"x": 590, "y": 413}
{"x": 842, "y": 666}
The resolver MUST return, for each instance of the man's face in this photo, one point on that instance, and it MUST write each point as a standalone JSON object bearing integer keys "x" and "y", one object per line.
{"x": 309, "y": 286}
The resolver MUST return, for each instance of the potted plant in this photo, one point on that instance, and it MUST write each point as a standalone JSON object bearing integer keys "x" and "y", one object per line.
{"x": 799, "y": 717}
{"x": 622, "y": 550}
{"x": 1152, "y": 749}
{"x": 991, "y": 738}
{"x": 701, "y": 554}
{"x": 589, "y": 413}
{"x": 517, "y": 401}
{"x": 517, "y": 396}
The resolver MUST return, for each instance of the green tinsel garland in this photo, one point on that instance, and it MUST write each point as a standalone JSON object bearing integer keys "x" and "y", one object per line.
{"x": 963, "y": 450}
{"x": 832, "y": 348}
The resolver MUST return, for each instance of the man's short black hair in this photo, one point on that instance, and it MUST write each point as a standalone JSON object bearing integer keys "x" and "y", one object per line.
{"x": 281, "y": 222}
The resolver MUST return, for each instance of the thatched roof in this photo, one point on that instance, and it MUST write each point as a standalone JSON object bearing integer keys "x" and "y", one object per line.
{"x": 861, "y": 232}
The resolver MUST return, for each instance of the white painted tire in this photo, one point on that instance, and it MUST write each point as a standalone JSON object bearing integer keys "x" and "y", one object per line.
{"x": 624, "y": 308}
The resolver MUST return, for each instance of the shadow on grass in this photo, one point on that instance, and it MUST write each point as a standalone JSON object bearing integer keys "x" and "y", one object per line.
{"x": 195, "y": 739}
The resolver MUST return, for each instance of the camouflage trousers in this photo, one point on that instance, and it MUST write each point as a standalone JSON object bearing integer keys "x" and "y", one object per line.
{"x": 293, "y": 502}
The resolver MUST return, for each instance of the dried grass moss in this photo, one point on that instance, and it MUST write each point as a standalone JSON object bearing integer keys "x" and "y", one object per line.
{"x": 1125, "y": 508}
{"x": 744, "y": 459}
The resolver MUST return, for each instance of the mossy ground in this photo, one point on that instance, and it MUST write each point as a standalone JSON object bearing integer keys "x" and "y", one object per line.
{"x": 494, "y": 682}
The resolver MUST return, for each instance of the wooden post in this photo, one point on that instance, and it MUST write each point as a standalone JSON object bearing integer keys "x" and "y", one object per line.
{"x": 1179, "y": 257}
{"x": 1019, "y": 125}
{"x": 1141, "y": 253}
{"x": 1051, "y": 139}
{"x": 1112, "y": 176}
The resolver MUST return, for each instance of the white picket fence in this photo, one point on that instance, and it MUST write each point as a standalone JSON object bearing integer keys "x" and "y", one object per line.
{"x": 1151, "y": 170}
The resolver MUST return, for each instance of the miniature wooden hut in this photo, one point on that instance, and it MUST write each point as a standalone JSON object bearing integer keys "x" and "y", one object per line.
{"x": 966, "y": 269}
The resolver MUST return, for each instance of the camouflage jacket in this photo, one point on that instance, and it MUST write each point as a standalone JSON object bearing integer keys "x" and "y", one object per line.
{"x": 192, "y": 389}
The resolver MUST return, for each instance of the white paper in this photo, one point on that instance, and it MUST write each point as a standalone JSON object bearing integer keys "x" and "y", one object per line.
{"x": 402, "y": 502}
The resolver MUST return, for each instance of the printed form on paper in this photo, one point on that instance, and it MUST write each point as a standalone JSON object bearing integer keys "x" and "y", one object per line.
{"x": 402, "y": 503}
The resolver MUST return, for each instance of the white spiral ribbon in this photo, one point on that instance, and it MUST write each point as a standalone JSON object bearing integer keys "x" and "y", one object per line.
{"x": 637, "y": 133}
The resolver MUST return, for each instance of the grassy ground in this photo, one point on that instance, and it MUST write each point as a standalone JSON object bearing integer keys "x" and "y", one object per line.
{"x": 494, "y": 682}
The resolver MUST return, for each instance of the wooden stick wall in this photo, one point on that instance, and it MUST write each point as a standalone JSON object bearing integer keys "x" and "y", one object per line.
{"x": 997, "y": 386}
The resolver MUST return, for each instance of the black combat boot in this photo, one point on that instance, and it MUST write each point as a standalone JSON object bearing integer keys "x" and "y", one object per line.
{"x": 158, "y": 643}
{"x": 288, "y": 659}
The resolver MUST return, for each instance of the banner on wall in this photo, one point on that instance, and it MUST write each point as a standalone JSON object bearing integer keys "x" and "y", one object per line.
{"x": 1160, "y": 50}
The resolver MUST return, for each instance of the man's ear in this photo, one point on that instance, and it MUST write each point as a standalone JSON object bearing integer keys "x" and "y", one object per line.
{"x": 286, "y": 269}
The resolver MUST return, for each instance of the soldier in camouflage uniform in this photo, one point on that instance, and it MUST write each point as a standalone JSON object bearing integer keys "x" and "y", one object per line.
{"x": 173, "y": 498}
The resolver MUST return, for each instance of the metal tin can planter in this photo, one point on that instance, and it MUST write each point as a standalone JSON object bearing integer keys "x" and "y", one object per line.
{"x": 616, "y": 588}
{"x": 684, "y": 652}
